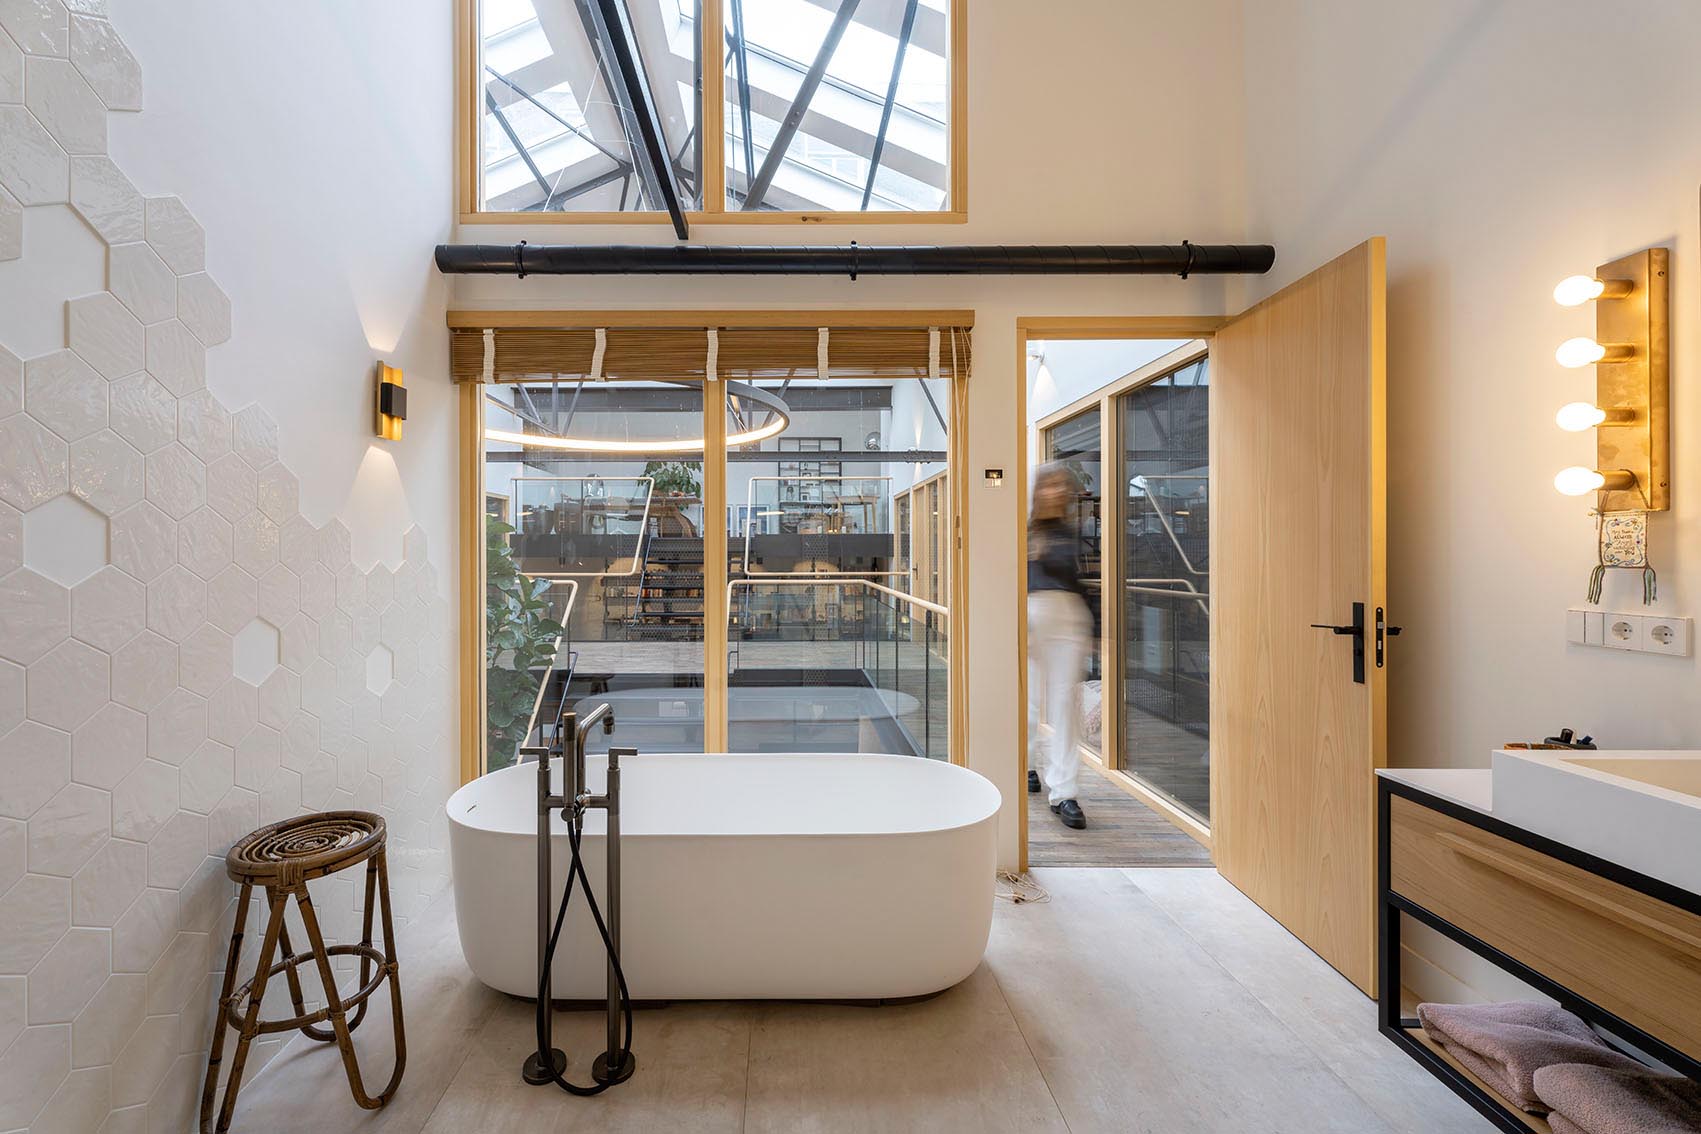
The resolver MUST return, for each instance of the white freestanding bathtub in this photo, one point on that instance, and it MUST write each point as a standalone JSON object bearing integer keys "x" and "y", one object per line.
{"x": 774, "y": 876}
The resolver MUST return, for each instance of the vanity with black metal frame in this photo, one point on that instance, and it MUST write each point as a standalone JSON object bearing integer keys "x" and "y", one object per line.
{"x": 1405, "y": 1031}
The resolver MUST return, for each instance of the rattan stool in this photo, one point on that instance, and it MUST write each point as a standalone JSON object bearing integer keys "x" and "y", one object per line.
{"x": 283, "y": 858}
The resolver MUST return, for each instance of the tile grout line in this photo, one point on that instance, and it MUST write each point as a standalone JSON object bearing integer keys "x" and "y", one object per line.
{"x": 1017, "y": 1020}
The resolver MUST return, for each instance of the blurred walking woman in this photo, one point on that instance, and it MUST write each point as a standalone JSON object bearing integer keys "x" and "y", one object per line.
{"x": 1060, "y": 627}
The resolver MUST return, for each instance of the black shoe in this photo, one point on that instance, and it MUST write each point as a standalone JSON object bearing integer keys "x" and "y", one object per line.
{"x": 1070, "y": 812}
{"x": 1033, "y": 782}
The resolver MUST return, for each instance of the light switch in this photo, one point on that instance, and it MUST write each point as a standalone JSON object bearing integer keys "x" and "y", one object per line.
{"x": 1576, "y": 626}
{"x": 1594, "y": 627}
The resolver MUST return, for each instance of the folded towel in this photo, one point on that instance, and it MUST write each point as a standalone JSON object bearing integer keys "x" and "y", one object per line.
{"x": 1619, "y": 1100}
{"x": 1504, "y": 1044}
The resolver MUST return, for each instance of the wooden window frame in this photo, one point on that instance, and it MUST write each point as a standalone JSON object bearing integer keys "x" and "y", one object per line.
{"x": 470, "y": 447}
{"x": 714, "y": 213}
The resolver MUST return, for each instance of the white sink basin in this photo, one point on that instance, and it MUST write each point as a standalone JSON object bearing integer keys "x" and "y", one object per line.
{"x": 1638, "y": 809}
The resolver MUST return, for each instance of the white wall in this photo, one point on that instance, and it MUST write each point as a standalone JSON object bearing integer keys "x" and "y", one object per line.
{"x": 1062, "y": 137}
{"x": 1499, "y": 147}
{"x": 318, "y": 169}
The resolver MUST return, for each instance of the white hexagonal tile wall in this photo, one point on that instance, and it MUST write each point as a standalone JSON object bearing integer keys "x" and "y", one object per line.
{"x": 66, "y": 684}
{"x": 204, "y": 425}
{"x": 176, "y": 235}
{"x": 11, "y": 383}
{"x": 108, "y": 609}
{"x": 276, "y": 488}
{"x": 176, "y": 357}
{"x": 69, "y": 976}
{"x": 258, "y": 755}
{"x": 106, "y": 335}
{"x": 280, "y": 698}
{"x": 205, "y": 777}
{"x": 107, "y": 472}
{"x": 11, "y": 227}
{"x": 36, "y": 913}
{"x": 204, "y": 308}
{"x": 176, "y": 603}
{"x": 299, "y": 643}
{"x": 256, "y": 437}
{"x": 108, "y": 747}
{"x": 298, "y": 543}
{"x": 11, "y": 539}
{"x": 33, "y": 167}
{"x": 231, "y": 599}
{"x": 144, "y": 541}
{"x": 176, "y": 726}
{"x": 205, "y": 542}
{"x": 14, "y": 859}
{"x": 106, "y": 63}
{"x": 139, "y": 938}
{"x": 256, "y": 542}
{"x": 101, "y": 1030}
{"x": 107, "y": 201}
{"x": 37, "y": 462}
{"x": 144, "y": 800}
{"x": 176, "y": 480}
{"x": 11, "y": 698}
{"x": 38, "y": 615}
{"x": 231, "y": 488}
{"x": 140, "y": 279}
{"x": 254, "y": 652}
{"x": 318, "y": 591}
{"x": 232, "y": 710}
{"x": 11, "y": 70}
{"x": 40, "y": 27}
{"x": 205, "y": 659}
{"x": 144, "y": 670}
{"x": 65, "y": 394}
{"x": 66, "y": 831}
{"x": 142, "y": 412}
{"x": 178, "y": 848}
{"x": 104, "y": 888}
{"x": 65, "y": 540}
{"x": 61, "y": 101}
{"x": 35, "y": 762}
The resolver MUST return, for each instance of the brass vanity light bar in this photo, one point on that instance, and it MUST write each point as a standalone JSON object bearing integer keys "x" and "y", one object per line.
{"x": 1631, "y": 354}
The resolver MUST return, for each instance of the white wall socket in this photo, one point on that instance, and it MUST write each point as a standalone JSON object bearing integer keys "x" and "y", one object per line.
{"x": 1618, "y": 630}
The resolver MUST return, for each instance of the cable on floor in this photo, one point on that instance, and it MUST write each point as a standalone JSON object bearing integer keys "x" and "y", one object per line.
{"x": 1022, "y": 888}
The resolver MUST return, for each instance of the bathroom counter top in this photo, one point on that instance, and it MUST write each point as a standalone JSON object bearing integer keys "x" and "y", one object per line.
{"x": 1468, "y": 787}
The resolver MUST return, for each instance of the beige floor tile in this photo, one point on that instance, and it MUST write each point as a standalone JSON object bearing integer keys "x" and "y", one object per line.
{"x": 1330, "y": 1016}
{"x": 953, "y": 1063}
{"x": 1137, "y": 1029}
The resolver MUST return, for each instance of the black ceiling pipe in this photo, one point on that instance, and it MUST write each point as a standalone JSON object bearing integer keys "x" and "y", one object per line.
{"x": 854, "y": 260}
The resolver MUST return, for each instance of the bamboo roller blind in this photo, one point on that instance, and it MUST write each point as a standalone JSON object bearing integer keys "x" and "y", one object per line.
{"x": 681, "y": 353}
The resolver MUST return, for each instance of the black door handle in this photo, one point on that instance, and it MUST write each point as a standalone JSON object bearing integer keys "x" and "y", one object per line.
{"x": 1356, "y": 631}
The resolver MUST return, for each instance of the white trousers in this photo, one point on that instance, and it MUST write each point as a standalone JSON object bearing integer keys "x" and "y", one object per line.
{"x": 1060, "y": 630}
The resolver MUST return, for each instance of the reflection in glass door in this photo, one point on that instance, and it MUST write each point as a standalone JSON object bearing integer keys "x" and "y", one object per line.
{"x": 1166, "y": 621}
{"x": 595, "y": 580}
{"x": 830, "y": 647}
{"x": 1077, "y": 444}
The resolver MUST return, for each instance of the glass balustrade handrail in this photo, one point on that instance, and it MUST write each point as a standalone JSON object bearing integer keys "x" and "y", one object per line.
{"x": 557, "y": 661}
{"x": 837, "y": 581}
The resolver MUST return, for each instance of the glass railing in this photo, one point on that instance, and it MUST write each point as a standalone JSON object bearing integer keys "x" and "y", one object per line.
{"x": 836, "y": 665}
{"x": 529, "y": 660}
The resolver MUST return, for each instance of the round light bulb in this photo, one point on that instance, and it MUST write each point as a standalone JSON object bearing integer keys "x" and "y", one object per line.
{"x": 1574, "y": 291}
{"x": 1575, "y": 417}
{"x": 1574, "y": 353}
{"x": 1578, "y": 481}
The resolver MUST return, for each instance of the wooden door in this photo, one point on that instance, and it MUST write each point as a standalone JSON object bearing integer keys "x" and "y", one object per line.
{"x": 1298, "y": 487}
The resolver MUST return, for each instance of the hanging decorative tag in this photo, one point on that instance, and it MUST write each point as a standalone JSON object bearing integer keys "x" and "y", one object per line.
{"x": 1624, "y": 544}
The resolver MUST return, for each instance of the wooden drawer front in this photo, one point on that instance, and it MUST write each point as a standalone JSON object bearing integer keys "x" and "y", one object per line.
{"x": 1633, "y": 955}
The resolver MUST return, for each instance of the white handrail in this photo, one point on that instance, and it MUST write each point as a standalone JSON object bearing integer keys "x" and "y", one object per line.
{"x": 836, "y": 581}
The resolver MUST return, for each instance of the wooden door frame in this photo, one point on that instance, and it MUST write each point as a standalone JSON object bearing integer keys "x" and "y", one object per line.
{"x": 1082, "y": 327}
{"x": 470, "y": 499}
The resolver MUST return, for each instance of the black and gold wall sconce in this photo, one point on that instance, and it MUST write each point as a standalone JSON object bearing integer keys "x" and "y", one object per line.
{"x": 392, "y": 402}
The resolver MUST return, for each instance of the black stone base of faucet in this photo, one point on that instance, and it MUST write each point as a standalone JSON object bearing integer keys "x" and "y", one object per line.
{"x": 533, "y": 1072}
{"x": 601, "y": 1072}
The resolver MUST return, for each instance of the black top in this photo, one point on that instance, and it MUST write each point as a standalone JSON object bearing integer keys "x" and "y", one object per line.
{"x": 1054, "y": 562}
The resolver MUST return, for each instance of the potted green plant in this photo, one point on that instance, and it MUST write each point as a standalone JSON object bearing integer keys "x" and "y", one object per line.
{"x": 672, "y": 478}
{"x": 519, "y": 637}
